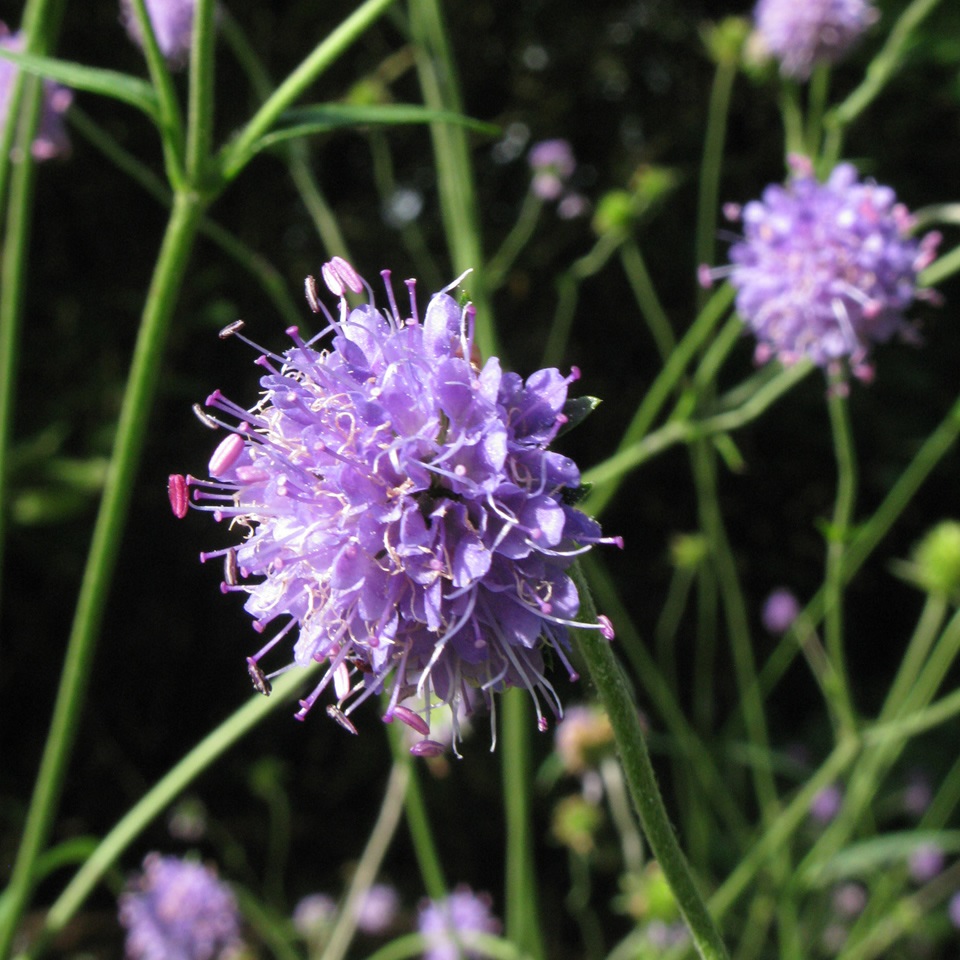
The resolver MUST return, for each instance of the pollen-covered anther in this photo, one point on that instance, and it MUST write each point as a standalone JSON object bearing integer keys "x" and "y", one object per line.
{"x": 427, "y": 748}
{"x": 179, "y": 495}
{"x": 260, "y": 682}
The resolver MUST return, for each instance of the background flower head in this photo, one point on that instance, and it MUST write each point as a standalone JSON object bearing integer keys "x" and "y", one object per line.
{"x": 803, "y": 34}
{"x": 401, "y": 504}
{"x": 51, "y": 139}
{"x": 825, "y": 270}
{"x": 172, "y": 22}
{"x": 178, "y": 910}
{"x": 450, "y": 925}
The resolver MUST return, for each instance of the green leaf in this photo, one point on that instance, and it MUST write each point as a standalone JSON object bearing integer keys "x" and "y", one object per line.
{"x": 324, "y": 117}
{"x": 109, "y": 83}
{"x": 878, "y": 853}
{"x": 576, "y": 410}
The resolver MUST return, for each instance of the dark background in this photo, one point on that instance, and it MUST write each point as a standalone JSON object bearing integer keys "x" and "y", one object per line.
{"x": 627, "y": 84}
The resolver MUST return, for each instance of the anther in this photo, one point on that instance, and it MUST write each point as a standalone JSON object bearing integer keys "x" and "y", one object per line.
{"x": 230, "y": 329}
{"x": 260, "y": 682}
{"x": 310, "y": 289}
{"x": 177, "y": 492}
{"x": 427, "y": 748}
{"x": 205, "y": 418}
{"x": 335, "y": 713}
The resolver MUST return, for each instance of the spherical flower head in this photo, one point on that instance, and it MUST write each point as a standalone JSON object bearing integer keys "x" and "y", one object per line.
{"x": 178, "y": 910}
{"x": 172, "y": 22}
{"x": 402, "y": 510}
{"x": 583, "y": 737}
{"x": 780, "y": 609}
{"x": 313, "y": 915}
{"x": 378, "y": 909}
{"x": 953, "y": 910}
{"x": 925, "y": 862}
{"x": 826, "y": 804}
{"x": 51, "y": 139}
{"x": 552, "y": 163}
{"x": 450, "y": 925}
{"x": 803, "y": 34}
{"x": 825, "y": 270}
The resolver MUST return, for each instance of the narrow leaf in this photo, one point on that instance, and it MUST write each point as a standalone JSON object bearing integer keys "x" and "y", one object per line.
{"x": 108, "y": 83}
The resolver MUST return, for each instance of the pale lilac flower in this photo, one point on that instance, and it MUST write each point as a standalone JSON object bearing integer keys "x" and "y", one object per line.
{"x": 172, "y": 22}
{"x": 804, "y": 33}
{"x": 925, "y": 862}
{"x": 917, "y": 794}
{"x": 313, "y": 915}
{"x": 825, "y": 270}
{"x": 178, "y": 910}
{"x": 450, "y": 925}
{"x": 849, "y": 900}
{"x": 378, "y": 909}
{"x": 826, "y": 804}
{"x": 552, "y": 163}
{"x": 51, "y": 139}
{"x": 779, "y": 611}
{"x": 402, "y": 509}
{"x": 953, "y": 910}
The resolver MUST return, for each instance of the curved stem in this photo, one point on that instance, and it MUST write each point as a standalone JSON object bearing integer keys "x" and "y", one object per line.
{"x": 104, "y": 548}
{"x": 615, "y": 696}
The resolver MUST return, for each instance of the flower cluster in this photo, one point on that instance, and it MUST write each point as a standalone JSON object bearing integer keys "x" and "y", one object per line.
{"x": 51, "y": 139}
{"x": 172, "y": 22}
{"x": 802, "y": 35}
{"x": 178, "y": 910}
{"x": 402, "y": 508}
{"x": 450, "y": 925}
{"x": 553, "y": 164}
{"x": 825, "y": 270}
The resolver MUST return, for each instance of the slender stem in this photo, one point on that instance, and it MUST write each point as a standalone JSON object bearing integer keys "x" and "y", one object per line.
{"x": 369, "y": 866}
{"x": 437, "y": 71}
{"x": 501, "y": 262}
{"x": 425, "y": 848}
{"x": 838, "y": 534}
{"x": 522, "y": 926}
{"x": 238, "y": 152}
{"x": 104, "y": 548}
{"x": 200, "y": 106}
{"x": 614, "y": 694}
{"x": 816, "y": 105}
{"x": 712, "y": 164}
{"x": 645, "y": 293}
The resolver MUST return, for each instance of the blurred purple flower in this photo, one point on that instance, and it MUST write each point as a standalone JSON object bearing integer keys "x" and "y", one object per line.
{"x": 804, "y": 33}
{"x": 378, "y": 909}
{"x": 178, "y": 910}
{"x": 51, "y": 139}
{"x": 953, "y": 909}
{"x": 925, "y": 862}
{"x": 450, "y": 925}
{"x": 826, "y": 269}
{"x": 172, "y": 22}
{"x": 849, "y": 900}
{"x": 779, "y": 611}
{"x": 917, "y": 794}
{"x": 826, "y": 804}
{"x": 402, "y": 506}
{"x": 313, "y": 915}
{"x": 552, "y": 163}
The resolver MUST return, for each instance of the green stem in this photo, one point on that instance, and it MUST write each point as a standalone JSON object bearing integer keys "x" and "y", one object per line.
{"x": 498, "y": 265}
{"x": 651, "y": 405}
{"x": 236, "y": 154}
{"x": 369, "y": 865}
{"x": 712, "y": 164}
{"x": 614, "y": 694}
{"x": 522, "y": 925}
{"x": 200, "y": 105}
{"x": 437, "y": 71}
{"x": 131, "y": 432}
{"x": 816, "y": 105}
{"x": 428, "y": 858}
{"x": 635, "y": 269}
{"x": 837, "y": 536}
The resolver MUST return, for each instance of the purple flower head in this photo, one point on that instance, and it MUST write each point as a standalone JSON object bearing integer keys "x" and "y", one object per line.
{"x": 826, "y": 804}
{"x": 402, "y": 510}
{"x": 51, "y": 139}
{"x": 378, "y": 909}
{"x": 779, "y": 611}
{"x": 825, "y": 270}
{"x": 172, "y": 22}
{"x": 178, "y": 910}
{"x": 552, "y": 163}
{"x": 450, "y": 925}
{"x": 803, "y": 34}
{"x": 925, "y": 862}
{"x": 313, "y": 915}
{"x": 953, "y": 910}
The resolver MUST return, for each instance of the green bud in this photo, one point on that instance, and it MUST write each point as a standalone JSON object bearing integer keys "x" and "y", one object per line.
{"x": 935, "y": 566}
{"x": 575, "y": 823}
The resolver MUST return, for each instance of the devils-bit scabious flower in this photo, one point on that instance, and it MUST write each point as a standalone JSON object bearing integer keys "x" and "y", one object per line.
{"x": 172, "y": 22}
{"x": 402, "y": 510}
{"x": 51, "y": 139}
{"x": 178, "y": 910}
{"x": 802, "y": 35}
{"x": 450, "y": 925}
{"x": 825, "y": 270}
{"x": 552, "y": 163}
